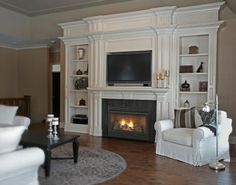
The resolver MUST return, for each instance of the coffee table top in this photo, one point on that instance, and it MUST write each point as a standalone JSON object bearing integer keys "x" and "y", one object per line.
{"x": 33, "y": 138}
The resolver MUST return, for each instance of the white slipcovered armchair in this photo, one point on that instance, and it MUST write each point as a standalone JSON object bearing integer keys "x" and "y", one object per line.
{"x": 196, "y": 146}
{"x": 17, "y": 166}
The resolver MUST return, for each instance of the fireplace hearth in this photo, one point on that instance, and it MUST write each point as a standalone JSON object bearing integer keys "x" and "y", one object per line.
{"x": 129, "y": 119}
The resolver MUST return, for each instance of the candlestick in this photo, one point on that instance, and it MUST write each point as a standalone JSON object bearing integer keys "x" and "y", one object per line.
{"x": 167, "y": 76}
{"x": 49, "y": 120}
{"x": 158, "y": 80}
{"x": 55, "y": 122}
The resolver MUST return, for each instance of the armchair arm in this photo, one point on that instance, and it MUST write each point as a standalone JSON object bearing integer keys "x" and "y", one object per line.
{"x": 202, "y": 133}
{"x": 225, "y": 127}
{"x": 20, "y": 159}
{"x": 162, "y": 125}
{"x": 22, "y": 120}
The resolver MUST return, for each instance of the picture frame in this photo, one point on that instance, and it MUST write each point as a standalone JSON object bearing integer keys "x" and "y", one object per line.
{"x": 203, "y": 86}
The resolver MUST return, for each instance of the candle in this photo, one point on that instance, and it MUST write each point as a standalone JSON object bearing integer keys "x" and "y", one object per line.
{"x": 50, "y": 117}
{"x": 55, "y": 121}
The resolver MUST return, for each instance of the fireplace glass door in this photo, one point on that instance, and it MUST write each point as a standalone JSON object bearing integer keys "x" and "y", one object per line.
{"x": 130, "y": 125}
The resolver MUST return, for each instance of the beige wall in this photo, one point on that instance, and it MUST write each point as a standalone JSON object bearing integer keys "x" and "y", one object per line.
{"x": 33, "y": 80}
{"x": 226, "y": 77}
{"x": 8, "y": 73}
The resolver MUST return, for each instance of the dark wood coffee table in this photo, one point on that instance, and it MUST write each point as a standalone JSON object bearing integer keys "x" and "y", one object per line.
{"x": 39, "y": 139}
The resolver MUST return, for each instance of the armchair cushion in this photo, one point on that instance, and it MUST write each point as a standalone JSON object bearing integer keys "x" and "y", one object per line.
{"x": 7, "y": 114}
{"x": 182, "y": 136}
{"x": 10, "y": 138}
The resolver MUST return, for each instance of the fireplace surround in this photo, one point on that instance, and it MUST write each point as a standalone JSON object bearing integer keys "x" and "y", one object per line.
{"x": 128, "y": 119}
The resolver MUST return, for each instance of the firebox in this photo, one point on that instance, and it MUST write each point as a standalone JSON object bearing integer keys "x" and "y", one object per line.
{"x": 129, "y": 119}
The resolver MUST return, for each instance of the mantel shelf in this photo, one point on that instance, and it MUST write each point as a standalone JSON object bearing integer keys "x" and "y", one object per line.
{"x": 131, "y": 89}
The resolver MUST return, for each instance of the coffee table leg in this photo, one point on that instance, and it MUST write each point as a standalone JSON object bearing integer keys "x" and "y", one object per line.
{"x": 47, "y": 162}
{"x": 75, "y": 150}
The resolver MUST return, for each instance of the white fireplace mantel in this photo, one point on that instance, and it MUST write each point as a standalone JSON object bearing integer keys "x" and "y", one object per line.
{"x": 160, "y": 95}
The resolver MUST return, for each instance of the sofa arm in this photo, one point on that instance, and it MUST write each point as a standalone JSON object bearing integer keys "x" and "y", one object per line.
{"x": 22, "y": 120}
{"x": 20, "y": 159}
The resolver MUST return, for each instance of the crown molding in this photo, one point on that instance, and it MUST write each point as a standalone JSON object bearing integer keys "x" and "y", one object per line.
{"x": 28, "y": 44}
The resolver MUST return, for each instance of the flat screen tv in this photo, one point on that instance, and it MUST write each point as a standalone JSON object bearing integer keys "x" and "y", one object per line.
{"x": 129, "y": 67}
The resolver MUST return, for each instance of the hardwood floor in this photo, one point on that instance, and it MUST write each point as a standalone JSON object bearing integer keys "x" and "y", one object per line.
{"x": 144, "y": 167}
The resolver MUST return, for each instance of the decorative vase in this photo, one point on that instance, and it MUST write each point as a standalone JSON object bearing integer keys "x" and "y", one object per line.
{"x": 79, "y": 72}
{"x": 185, "y": 85}
{"x": 80, "y": 53}
{"x": 186, "y": 104}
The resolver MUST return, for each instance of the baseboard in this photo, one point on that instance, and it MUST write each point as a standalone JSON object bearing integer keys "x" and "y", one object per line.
{"x": 232, "y": 139}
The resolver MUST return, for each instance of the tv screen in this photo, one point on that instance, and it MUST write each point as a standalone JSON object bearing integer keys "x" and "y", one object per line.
{"x": 129, "y": 67}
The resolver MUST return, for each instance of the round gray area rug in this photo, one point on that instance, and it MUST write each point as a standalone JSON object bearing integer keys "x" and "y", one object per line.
{"x": 94, "y": 167}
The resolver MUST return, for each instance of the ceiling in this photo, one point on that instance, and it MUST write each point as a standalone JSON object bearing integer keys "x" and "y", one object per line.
{"x": 38, "y": 7}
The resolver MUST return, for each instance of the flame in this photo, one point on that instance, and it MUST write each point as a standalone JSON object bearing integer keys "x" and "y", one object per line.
{"x": 126, "y": 125}
{"x": 130, "y": 124}
{"x": 122, "y": 122}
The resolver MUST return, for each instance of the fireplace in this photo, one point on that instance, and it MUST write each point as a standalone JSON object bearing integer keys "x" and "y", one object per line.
{"x": 129, "y": 119}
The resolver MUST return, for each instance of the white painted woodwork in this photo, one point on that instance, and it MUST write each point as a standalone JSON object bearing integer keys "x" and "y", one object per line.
{"x": 167, "y": 32}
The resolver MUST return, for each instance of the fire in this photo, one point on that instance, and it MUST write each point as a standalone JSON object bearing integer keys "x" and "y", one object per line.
{"x": 123, "y": 122}
{"x": 126, "y": 125}
{"x": 131, "y": 124}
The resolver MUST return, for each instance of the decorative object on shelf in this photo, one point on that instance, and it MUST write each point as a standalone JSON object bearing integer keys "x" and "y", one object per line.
{"x": 86, "y": 71}
{"x": 80, "y": 119}
{"x": 203, "y": 86}
{"x": 215, "y": 165}
{"x": 80, "y": 53}
{"x": 81, "y": 83}
{"x": 50, "y": 130}
{"x": 163, "y": 79}
{"x": 158, "y": 78}
{"x": 167, "y": 76}
{"x": 186, "y": 69}
{"x": 185, "y": 86}
{"x": 186, "y": 104}
{"x": 162, "y": 76}
{"x": 79, "y": 72}
{"x": 82, "y": 102}
{"x": 200, "y": 68}
{"x": 55, "y": 123}
{"x": 193, "y": 50}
